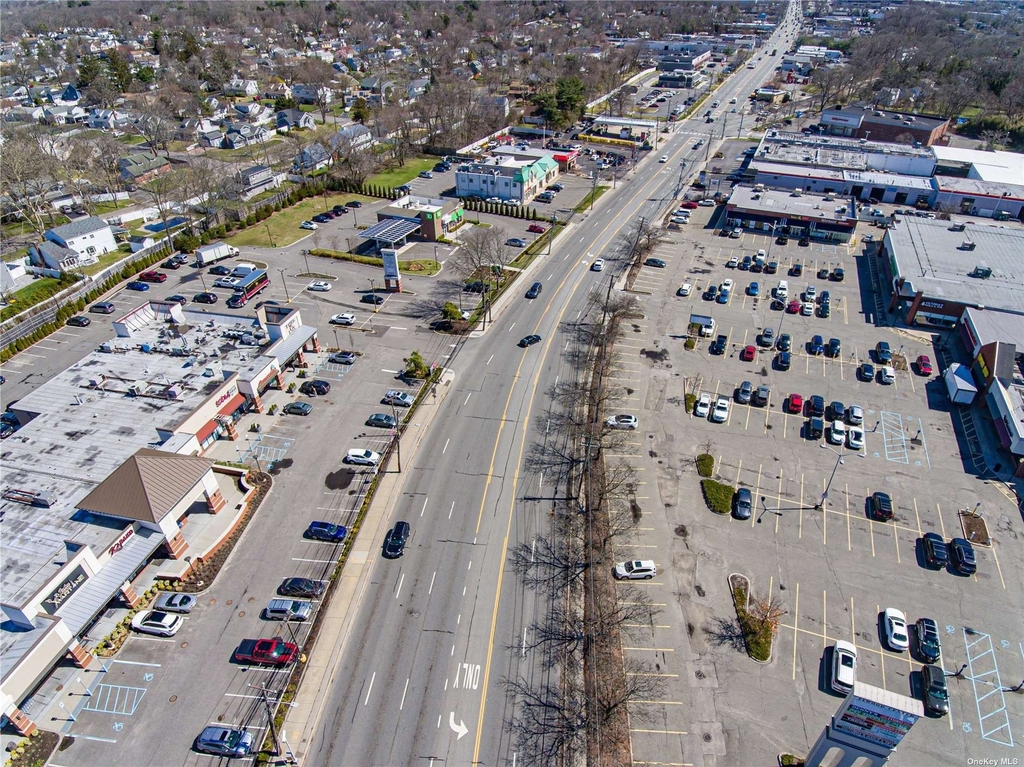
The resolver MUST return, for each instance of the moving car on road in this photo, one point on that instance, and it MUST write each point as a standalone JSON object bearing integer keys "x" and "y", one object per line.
{"x": 530, "y": 340}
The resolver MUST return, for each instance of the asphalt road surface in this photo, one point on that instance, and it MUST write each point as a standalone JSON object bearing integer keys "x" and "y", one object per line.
{"x": 441, "y": 627}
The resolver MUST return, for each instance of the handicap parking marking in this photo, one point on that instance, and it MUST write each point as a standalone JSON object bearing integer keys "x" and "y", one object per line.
{"x": 990, "y": 700}
{"x": 115, "y": 699}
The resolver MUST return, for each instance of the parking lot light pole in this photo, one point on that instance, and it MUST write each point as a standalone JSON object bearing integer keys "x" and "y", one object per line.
{"x": 839, "y": 460}
{"x": 373, "y": 292}
{"x": 287, "y": 297}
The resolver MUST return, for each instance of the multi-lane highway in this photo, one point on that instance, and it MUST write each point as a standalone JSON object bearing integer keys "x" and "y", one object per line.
{"x": 439, "y": 629}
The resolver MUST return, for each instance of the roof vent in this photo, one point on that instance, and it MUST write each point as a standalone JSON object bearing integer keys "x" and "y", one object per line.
{"x": 958, "y": 228}
{"x": 968, "y": 245}
{"x": 981, "y": 272}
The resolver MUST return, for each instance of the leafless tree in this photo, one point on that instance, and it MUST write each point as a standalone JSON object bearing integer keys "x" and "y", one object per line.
{"x": 28, "y": 173}
{"x": 767, "y": 611}
{"x": 548, "y": 723}
{"x": 166, "y": 191}
{"x": 829, "y": 80}
{"x": 319, "y": 76}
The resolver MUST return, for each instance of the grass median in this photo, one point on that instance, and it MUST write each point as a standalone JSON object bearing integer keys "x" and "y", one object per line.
{"x": 282, "y": 228}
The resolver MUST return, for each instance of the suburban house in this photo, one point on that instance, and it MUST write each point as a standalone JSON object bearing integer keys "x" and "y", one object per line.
{"x": 355, "y": 136}
{"x": 53, "y": 256}
{"x": 242, "y": 134}
{"x": 239, "y": 87}
{"x": 107, "y": 119}
{"x": 381, "y": 86}
{"x": 139, "y": 168}
{"x": 89, "y": 238}
{"x": 277, "y": 91}
{"x": 311, "y": 158}
{"x": 293, "y": 118}
{"x": 64, "y": 115}
{"x": 256, "y": 179}
{"x": 251, "y": 112}
{"x": 211, "y": 139}
{"x": 416, "y": 88}
{"x": 312, "y": 94}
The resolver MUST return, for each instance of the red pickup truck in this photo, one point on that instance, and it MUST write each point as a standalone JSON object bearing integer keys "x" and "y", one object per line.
{"x": 266, "y": 652}
{"x": 153, "y": 276}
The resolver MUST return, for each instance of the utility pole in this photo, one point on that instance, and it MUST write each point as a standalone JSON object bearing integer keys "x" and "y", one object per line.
{"x": 270, "y": 718}
{"x": 398, "y": 437}
{"x": 287, "y": 297}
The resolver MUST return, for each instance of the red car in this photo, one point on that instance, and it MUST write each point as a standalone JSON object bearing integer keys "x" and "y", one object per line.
{"x": 689, "y": 205}
{"x": 793, "y": 308}
{"x": 153, "y": 276}
{"x": 536, "y": 229}
{"x": 795, "y": 404}
{"x": 748, "y": 353}
{"x": 924, "y": 365}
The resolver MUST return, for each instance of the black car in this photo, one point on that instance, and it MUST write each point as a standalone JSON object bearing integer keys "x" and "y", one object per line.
{"x": 711, "y": 293}
{"x": 534, "y": 290}
{"x": 354, "y": 204}
{"x": 103, "y": 307}
{"x": 79, "y": 321}
{"x": 782, "y": 240}
{"x": 816, "y": 406}
{"x": 744, "y": 265}
{"x": 171, "y": 263}
{"x": 530, "y": 340}
{"x": 177, "y": 298}
{"x": 340, "y": 209}
{"x": 866, "y": 372}
{"x": 742, "y": 503}
{"x": 372, "y": 298}
{"x": 761, "y": 396}
{"x": 205, "y": 298}
{"x": 771, "y": 267}
{"x": 475, "y": 287}
{"x": 718, "y": 345}
{"x": 834, "y": 347}
{"x": 824, "y": 310}
{"x": 220, "y": 270}
{"x": 320, "y": 218}
{"x": 655, "y": 262}
{"x": 881, "y": 506}
{"x": 883, "y": 353}
{"x": 823, "y": 273}
{"x": 962, "y": 556}
{"x": 395, "y": 540}
{"x": 935, "y": 552}
{"x": 804, "y": 242}
{"x": 837, "y": 275}
{"x": 300, "y": 587}
{"x": 836, "y": 411}
{"x": 934, "y": 692}
{"x": 796, "y": 270}
{"x": 785, "y": 343}
{"x": 315, "y": 387}
{"x": 824, "y": 297}
{"x": 928, "y": 645}
{"x": 815, "y": 428}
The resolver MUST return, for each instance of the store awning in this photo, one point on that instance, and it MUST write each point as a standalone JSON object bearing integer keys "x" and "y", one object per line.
{"x": 233, "y": 404}
{"x": 206, "y": 431}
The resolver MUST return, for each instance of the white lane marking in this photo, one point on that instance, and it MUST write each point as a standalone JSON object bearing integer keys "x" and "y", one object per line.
{"x": 489, "y": 359}
{"x": 470, "y": 395}
{"x": 551, "y": 276}
{"x": 470, "y": 565}
{"x": 451, "y": 510}
{"x": 367, "y": 700}
{"x": 393, "y": 372}
{"x": 401, "y": 580}
{"x": 566, "y": 346}
{"x": 431, "y": 589}
{"x": 424, "y": 506}
{"x": 402, "y": 704}
{"x": 458, "y": 620}
{"x": 136, "y": 663}
{"x": 314, "y": 561}
{"x": 511, "y": 326}
{"x": 453, "y": 651}
{"x": 541, "y": 483}
{"x": 524, "y": 642}
{"x": 393, "y": 327}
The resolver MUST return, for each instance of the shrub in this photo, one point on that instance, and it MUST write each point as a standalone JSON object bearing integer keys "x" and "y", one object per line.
{"x": 690, "y": 344}
{"x": 705, "y": 465}
{"x": 717, "y": 495}
{"x": 689, "y": 401}
{"x": 757, "y": 634}
{"x": 415, "y": 367}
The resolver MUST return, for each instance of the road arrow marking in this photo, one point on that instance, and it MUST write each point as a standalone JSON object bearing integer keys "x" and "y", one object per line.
{"x": 460, "y": 728}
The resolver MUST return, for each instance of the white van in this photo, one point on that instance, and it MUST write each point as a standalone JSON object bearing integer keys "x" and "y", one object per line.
{"x": 243, "y": 269}
{"x": 782, "y": 290}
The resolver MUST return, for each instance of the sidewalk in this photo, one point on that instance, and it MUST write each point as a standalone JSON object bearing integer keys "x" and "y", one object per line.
{"x": 336, "y": 622}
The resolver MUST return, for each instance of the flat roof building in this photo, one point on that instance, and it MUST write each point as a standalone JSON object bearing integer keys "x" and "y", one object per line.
{"x": 884, "y": 125}
{"x": 822, "y": 218}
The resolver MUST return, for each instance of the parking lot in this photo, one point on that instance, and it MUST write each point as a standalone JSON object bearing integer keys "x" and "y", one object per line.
{"x": 811, "y": 542}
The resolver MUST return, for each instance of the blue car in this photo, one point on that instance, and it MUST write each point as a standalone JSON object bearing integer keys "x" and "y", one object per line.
{"x": 754, "y": 289}
{"x": 325, "y": 531}
{"x": 817, "y": 345}
{"x": 723, "y": 297}
{"x": 138, "y": 285}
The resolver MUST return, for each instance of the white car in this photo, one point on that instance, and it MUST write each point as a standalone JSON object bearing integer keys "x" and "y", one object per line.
{"x": 629, "y": 422}
{"x": 727, "y": 284}
{"x": 635, "y": 570}
{"x": 308, "y": 225}
{"x": 495, "y": 200}
{"x": 226, "y": 282}
{"x": 810, "y": 293}
{"x": 807, "y": 308}
{"x": 157, "y": 623}
{"x": 855, "y": 438}
{"x": 684, "y": 289}
{"x": 680, "y": 219}
{"x": 319, "y": 286}
{"x": 664, "y": 158}
{"x": 703, "y": 406}
{"x": 844, "y": 666}
{"x": 362, "y": 457}
{"x": 732, "y": 263}
{"x": 837, "y": 433}
{"x": 895, "y": 629}
{"x": 343, "y": 319}
{"x": 707, "y": 203}
{"x": 887, "y": 375}
{"x": 721, "y": 412}
{"x": 598, "y": 265}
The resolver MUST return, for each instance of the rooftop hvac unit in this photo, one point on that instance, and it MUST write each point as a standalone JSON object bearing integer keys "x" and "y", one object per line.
{"x": 42, "y": 500}
{"x": 958, "y": 228}
{"x": 173, "y": 392}
{"x": 981, "y": 272}
{"x": 137, "y": 389}
{"x": 968, "y": 245}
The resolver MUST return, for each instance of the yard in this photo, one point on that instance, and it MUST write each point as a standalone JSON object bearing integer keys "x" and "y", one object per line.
{"x": 283, "y": 228}
{"x": 228, "y": 155}
{"x": 28, "y": 296}
{"x": 404, "y": 174}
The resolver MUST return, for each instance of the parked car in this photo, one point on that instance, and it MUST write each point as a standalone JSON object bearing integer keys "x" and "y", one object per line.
{"x": 836, "y": 411}
{"x": 372, "y": 298}
{"x": 711, "y": 293}
{"x": 319, "y": 286}
{"x": 516, "y": 242}
{"x": 637, "y": 569}
{"x": 398, "y": 398}
{"x": 718, "y": 345}
{"x": 157, "y": 623}
{"x": 79, "y": 321}
{"x": 881, "y": 506}
{"x": 753, "y": 289}
{"x": 225, "y": 741}
{"x": 426, "y": 174}
{"x": 766, "y": 337}
{"x": 315, "y": 387}
{"x": 206, "y": 298}
{"x": 536, "y": 229}
{"x": 343, "y": 319}
{"x": 171, "y": 602}
{"x": 883, "y": 353}
{"x": 762, "y": 394}
{"x": 816, "y": 345}
{"x": 844, "y": 666}
{"x": 838, "y": 274}
{"x": 732, "y": 263}
{"x": 308, "y": 225}
{"x": 628, "y": 422}
{"x": 297, "y": 408}
{"x": 744, "y": 392}
{"x": 748, "y": 353}
{"x": 866, "y": 371}
{"x": 837, "y": 433}
{"x": 685, "y": 289}
{"x": 834, "y": 348}
{"x": 361, "y": 457}
{"x": 895, "y": 624}
{"x": 796, "y": 270}
{"x": 924, "y": 365}
{"x": 785, "y": 342}
{"x": 301, "y": 587}
{"x": 855, "y": 438}
{"x": 103, "y": 307}
{"x": 177, "y": 298}
{"x": 655, "y": 262}
{"x": 382, "y": 421}
{"x": 927, "y": 644}
{"x": 153, "y": 276}
{"x": 742, "y": 506}
{"x": 723, "y": 297}
{"x": 855, "y": 415}
{"x": 935, "y": 552}
{"x": 721, "y": 412}
{"x": 816, "y": 406}
{"x": 343, "y": 358}
{"x": 961, "y": 556}
{"x": 138, "y": 285}
{"x": 237, "y": 301}
{"x": 887, "y": 375}
{"x": 783, "y": 360}
{"x": 220, "y": 270}
{"x": 934, "y": 690}
{"x": 794, "y": 404}
{"x": 326, "y": 531}
{"x": 702, "y": 407}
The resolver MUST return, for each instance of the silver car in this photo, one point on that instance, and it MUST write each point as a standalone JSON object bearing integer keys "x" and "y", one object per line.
{"x": 170, "y": 602}
{"x": 362, "y": 457}
{"x": 399, "y": 398}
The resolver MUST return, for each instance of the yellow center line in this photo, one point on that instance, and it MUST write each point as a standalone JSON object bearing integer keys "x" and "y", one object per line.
{"x": 796, "y": 617}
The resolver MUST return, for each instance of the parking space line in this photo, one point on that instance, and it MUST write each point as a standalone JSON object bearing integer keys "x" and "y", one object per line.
{"x": 649, "y": 649}
{"x": 849, "y": 540}
{"x": 999, "y": 569}
{"x": 800, "y": 526}
{"x": 779, "y": 516}
{"x": 659, "y": 732}
{"x": 985, "y": 657}
{"x": 796, "y": 617}
{"x": 659, "y": 702}
{"x": 881, "y": 658}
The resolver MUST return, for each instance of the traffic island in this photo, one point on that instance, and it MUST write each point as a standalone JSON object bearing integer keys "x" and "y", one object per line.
{"x": 758, "y": 619}
{"x": 975, "y": 528}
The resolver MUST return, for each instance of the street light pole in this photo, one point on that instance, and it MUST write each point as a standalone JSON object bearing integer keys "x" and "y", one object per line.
{"x": 373, "y": 292}
{"x": 288, "y": 298}
{"x": 828, "y": 486}
{"x": 305, "y": 257}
